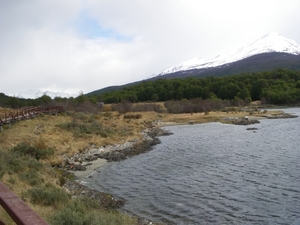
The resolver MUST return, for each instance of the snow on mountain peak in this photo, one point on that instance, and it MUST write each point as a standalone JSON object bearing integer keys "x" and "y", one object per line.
{"x": 272, "y": 42}
{"x": 275, "y": 42}
{"x": 33, "y": 94}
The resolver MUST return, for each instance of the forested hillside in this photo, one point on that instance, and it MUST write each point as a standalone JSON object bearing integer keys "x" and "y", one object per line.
{"x": 275, "y": 87}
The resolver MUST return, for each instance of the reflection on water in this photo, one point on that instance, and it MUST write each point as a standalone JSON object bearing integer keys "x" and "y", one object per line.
{"x": 213, "y": 174}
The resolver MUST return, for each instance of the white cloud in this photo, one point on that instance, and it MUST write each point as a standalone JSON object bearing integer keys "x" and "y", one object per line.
{"x": 41, "y": 48}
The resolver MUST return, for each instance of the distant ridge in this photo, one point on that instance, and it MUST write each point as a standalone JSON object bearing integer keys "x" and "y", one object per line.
{"x": 270, "y": 52}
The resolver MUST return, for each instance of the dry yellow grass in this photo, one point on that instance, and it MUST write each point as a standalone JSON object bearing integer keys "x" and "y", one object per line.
{"x": 45, "y": 129}
{"x": 217, "y": 116}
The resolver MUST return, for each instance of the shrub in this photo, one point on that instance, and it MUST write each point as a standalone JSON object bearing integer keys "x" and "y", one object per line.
{"x": 62, "y": 180}
{"x": 80, "y": 115}
{"x": 83, "y": 211}
{"x": 76, "y": 212}
{"x": 48, "y": 195}
{"x": 63, "y": 176}
{"x": 32, "y": 178}
{"x": 15, "y": 163}
{"x": 12, "y": 180}
{"x": 24, "y": 166}
{"x": 2, "y": 170}
{"x": 68, "y": 216}
{"x": 108, "y": 115}
{"x": 33, "y": 163}
{"x": 124, "y": 106}
{"x": 143, "y": 107}
{"x": 132, "y": 116}
{"x": 19, "y": 163}
{"x": 195, "y": 105}
{"x": 39, "y": 151}
{"x": 90, "y": 126}
{"x": 24, "y": 148}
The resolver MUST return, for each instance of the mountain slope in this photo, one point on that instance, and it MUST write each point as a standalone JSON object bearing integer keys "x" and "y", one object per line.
{"x": 270, "y": 52}
{"x": 256, "y": 63}
{"x": 269, "y": 43}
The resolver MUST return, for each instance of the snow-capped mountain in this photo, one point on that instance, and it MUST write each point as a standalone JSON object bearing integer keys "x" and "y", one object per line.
{"x": 33, "y": 94}
{"x": 270, "y": 52}
{"x": 270, "y": 43}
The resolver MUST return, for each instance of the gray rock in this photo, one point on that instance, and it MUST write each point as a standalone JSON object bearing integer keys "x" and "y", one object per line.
{"x": 245, "y": 121}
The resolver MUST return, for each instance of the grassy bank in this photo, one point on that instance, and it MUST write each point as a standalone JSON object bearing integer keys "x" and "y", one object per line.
{"x": 31, "y": 151}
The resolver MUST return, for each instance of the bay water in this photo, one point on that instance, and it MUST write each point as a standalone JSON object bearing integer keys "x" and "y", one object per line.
{"x": 213, "y": 173}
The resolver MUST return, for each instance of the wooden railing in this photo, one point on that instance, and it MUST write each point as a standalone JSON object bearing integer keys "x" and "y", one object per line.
{"x": 27, "y": 113}
{"x": 17, "y": 209}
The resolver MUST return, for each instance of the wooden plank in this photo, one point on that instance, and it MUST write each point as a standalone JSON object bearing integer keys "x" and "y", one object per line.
{"x": 17, "y": 209}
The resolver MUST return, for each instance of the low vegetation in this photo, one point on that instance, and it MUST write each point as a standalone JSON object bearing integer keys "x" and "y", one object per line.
{"x": 25, "y": 170}
{"x": 47, "y": 195}
{"x": 86, "y": 211}
{"x": 38, "y": 150}
{"x": 83, "y": 124}
{"x": 31, "y": 150}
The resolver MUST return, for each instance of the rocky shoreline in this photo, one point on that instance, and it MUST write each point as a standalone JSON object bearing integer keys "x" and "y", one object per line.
{"x": 84, "y": 164}
{"x": 113, "y": 153}
{"x": 281, "y": 116}
{"x": 253, "y": 119}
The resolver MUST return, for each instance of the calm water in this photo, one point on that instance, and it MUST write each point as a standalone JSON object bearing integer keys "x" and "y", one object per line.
{"x": 213, "y": 174}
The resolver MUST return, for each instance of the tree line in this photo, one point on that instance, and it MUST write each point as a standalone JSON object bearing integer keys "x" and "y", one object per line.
{"x": 80, "y": 103}
{"x": 279, "y": 87}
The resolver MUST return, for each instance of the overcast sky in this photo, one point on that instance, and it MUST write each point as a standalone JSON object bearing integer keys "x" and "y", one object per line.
{"x": 84, "y": 45}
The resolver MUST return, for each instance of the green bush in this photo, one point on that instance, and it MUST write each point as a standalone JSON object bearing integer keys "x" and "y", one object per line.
{"x": 68, "y": 216}
{"x": 83, "y": 211}
{"x": 48, "y": 195}
{"x": 82, "y": 128}
{"x": 62, "y": 180}
{"x": 26, "y": 167}
{"x": 2, "y": 170}
{"x": 32, "y": 178}
{"x": 15, "y": 163}
{"x": 33, "y": 163}
{"x": 63, "y": 176}
{"x": 38, "y": 151}
{"x": 19, "y": 163}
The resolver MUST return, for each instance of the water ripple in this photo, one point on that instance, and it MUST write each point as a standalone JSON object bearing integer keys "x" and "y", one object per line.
{"x": 213, "y": 174}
